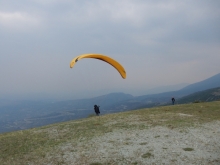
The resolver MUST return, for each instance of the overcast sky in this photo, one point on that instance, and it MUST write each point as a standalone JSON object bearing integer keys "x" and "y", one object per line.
{"x": 158, "y": 42}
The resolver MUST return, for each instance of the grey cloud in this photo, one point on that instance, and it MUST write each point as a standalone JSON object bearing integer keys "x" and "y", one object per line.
{"x": 148, "y": 37}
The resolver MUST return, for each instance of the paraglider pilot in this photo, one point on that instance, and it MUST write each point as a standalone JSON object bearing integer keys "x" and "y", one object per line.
{"x": 173, "y": 100}
{"x": 96, "y": 108}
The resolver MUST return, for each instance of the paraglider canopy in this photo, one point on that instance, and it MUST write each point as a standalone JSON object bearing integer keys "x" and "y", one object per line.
{"x": 104, "y": 58}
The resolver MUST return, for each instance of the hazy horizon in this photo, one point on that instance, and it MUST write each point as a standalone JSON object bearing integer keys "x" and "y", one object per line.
{"x": 159, "y": 43}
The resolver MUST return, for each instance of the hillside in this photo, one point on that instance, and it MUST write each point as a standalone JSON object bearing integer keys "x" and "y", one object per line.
{"x": 202, "y": 96}
{"x": 212, "y": 94}
{"x": 179, "y": 134}
{"x": 211, "y": 82}
{"x": 151, "y": 100}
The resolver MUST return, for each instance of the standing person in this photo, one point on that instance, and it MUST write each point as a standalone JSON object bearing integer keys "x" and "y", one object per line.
{"x": 173, "y": 100}
{"x": 96, "y": 108}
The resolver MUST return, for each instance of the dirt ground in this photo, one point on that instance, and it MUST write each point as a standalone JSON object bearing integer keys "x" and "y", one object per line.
{"x": 155, "y": 145}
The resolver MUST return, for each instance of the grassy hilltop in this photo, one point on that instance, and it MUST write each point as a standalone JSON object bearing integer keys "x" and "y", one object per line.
{"x": 179, "y": 134}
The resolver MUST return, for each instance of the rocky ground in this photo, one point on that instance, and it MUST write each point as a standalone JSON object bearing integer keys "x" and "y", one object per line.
{"x": 156, "y": 145}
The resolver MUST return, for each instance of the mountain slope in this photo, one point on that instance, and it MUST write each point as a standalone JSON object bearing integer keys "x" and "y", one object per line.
{"x": 136, "y": 137}
{"x": 202, "y": 96}
{"x": 29, "y": 114}
{"x": 163, "y": 98}
{"x": 211, "y": 82}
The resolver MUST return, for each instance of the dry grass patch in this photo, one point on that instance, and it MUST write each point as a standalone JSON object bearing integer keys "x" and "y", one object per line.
{"x": 147, "y": 155}
{"x": 188, "y": 149}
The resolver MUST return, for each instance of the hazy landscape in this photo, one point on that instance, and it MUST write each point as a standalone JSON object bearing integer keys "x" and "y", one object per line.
{"x": 24, "y": 114}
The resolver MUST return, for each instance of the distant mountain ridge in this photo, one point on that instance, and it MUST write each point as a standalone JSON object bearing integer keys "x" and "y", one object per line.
{"x": 208, "y": 95}
{"x": 211, "y": 82}
{"x": 161, "y": 98}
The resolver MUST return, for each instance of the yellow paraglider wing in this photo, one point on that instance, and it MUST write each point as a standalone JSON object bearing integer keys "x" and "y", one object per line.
{"x": 107, "y": 59}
